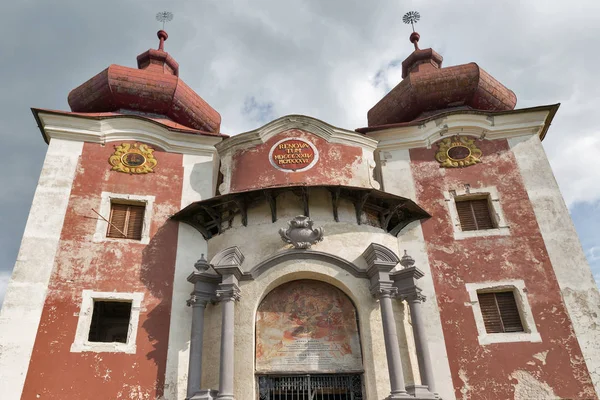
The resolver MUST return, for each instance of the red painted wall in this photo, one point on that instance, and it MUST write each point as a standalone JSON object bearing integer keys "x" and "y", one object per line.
{"x": 483, "y": 372}
{"x": 251, "y": 168}
{"x": 123, "y": 266}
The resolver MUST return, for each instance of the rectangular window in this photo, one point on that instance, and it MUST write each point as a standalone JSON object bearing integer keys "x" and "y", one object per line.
{"x": 474, "y": 215}
{"x": 126, "y": 221}
{"x": 500, "y": 312}
{"x": 110, "y": 321}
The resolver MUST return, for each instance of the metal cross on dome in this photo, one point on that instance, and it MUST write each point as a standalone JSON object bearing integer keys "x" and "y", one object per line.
{"x": 411, "y": 17}
{"x": 164, "y": 16}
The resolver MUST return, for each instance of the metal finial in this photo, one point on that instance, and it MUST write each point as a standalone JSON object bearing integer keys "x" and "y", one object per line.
{"x": 164, "y": 16}
{"x": 411, "y": 17}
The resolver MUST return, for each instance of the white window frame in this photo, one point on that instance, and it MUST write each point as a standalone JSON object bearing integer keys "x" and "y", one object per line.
{"x": 81, "y": 343}
{"x": 107, "y": 199}
{"x": 491, "y": 193}
{"x": 517, "y": 286}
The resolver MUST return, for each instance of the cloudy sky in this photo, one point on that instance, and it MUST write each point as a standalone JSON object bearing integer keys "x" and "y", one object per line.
{"x": 257, "y": 60}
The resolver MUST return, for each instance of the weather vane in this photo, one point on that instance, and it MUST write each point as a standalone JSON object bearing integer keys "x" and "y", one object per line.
{"x": 164, "y": 16}
{"x": 411, "y": 17}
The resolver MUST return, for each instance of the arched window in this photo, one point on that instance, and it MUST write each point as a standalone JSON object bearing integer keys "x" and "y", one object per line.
{"x": 308, "y": 343}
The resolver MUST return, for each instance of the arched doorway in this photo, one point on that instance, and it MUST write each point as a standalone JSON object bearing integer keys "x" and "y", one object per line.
{"x": 308, "y": 344}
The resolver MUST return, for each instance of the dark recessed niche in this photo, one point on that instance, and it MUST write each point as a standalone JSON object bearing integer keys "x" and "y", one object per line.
{"x": 110, "y": 321}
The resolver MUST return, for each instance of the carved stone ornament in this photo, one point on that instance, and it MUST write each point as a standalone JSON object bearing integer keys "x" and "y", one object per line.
{"x": 133, "y": 159}
{"x": 300, "y": 233}
{"x": 458, "y": 151}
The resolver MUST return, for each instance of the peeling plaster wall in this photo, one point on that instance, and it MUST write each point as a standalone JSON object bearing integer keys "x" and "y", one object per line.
{"x": 120, "y": 266}
{"x": 478, "y": 369}
{"x": 398, "y": 179}
{"x": 22, "y": 309}
{"x": 338, "y": 164}
{"x": 260, "y": 240}
{"x": 573, "y": 273}
{"x": 197, "y": 185}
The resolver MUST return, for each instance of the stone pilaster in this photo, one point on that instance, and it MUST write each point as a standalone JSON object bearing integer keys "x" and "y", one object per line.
{"x": 381, "y": 261}
{"x": 205, "y": 285}
{"x": 405, "y": 281}
{"x": 228, "y": 293}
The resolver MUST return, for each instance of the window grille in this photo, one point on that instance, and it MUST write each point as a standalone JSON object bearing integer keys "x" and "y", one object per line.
{"x": 310, "y": 387}
{"x": 500, "y": 312}
{"x": 126, "y": 221}
{"x": 474, "y": 215}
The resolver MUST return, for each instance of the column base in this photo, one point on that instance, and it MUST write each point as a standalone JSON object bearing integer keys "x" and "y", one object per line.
{"x": 421, "y": 392}
{"x": 399, "y": 396}
{"x": 205, "y": 394}
{"x": 225, "y": 397}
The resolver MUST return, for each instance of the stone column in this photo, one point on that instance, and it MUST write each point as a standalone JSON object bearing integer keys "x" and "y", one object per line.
{"x": 390, "y": 335}
{"x": 205, "y": 285}
{"x": 423, "y": 357}
{"x": 380, "y": 261}
{"x": 228, "y": 294}
{"x": 405, "y": 281}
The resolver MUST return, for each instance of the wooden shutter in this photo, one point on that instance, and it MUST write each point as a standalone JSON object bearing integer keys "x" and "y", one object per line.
{"x": 500, "y": 312}
{"x": 474, "y": 214}
{"x": 126, "y": 221}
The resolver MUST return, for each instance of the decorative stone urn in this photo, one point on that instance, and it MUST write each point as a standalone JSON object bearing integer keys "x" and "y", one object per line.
{"x": 300, "y": 233}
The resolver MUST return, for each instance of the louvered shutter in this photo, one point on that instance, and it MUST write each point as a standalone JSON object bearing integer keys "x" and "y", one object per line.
{"x": 490, "y": 312}
{"x": 118, "y": 221}
{"x": 500, "y": 312}
{"x": 481, "y": 211}
{"x": 474, "y": 214}
{"x": 509, "y": 312}
{"x": 136, "y": 222}
{"x": 128, "y": 219}
{"x": 465, "y": 214}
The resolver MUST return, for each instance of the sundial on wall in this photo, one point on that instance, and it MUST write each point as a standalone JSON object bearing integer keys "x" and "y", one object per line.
{"x": 458, "y": 151}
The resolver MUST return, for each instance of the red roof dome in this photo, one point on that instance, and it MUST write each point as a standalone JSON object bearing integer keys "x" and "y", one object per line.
{"x": 428, "y": 89}
{"x": 152, "y": 88}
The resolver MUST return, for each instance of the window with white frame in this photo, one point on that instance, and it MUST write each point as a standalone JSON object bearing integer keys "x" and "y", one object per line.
{"x": 108, "y": 322}
{"x": 124, "y": 217}
{"x": 476, "y": 212}
{"x": 502, "y": 312}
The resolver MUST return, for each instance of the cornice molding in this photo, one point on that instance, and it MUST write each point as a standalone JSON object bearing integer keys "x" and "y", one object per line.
{"x": 102, "y": 131}
{"x": 317, "y": 127}
{"x": 481, "y": 126}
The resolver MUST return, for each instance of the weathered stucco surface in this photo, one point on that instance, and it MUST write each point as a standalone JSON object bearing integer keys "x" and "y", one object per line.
{"x": 111, "y": 266}
{"x": 197, "y": 184}
{"x": 260, "y": 240}
{"x": 398, "y": 179}
{"x": 579, "y": 291}
{"x": 478, "y": 369}
{"x": 22, "y": 308}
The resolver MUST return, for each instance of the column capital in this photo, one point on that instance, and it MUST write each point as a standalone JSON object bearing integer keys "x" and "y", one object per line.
{"x": 413, "y": 295}
{"x": 196, "y": 300}
{"x": 383, "y": 289}
{"x": 228, "y": 291}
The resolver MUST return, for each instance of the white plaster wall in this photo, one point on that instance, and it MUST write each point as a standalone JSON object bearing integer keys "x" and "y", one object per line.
{"x": 26, "y": 293}
{"x": 197, "y": 185}
{"x": 573, "y": 273}
{"x": 397, "y": 179}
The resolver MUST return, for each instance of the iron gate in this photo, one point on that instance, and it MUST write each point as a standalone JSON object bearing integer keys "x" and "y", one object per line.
{"x": 310, "y": 387}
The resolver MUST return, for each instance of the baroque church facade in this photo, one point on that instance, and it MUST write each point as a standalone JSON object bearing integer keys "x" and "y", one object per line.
{"x": 429, "y": 255}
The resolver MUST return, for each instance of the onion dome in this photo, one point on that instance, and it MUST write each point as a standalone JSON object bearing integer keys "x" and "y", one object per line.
{"x": 155, "y": 88}
{"x": 428, "y": 89}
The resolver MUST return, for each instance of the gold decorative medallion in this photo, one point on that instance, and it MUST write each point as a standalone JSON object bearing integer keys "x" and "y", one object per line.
{"x": 133, "y": 159}
{"x": 458, "y": 151}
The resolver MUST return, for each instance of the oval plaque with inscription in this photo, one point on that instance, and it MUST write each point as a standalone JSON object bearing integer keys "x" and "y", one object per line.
{"x": 293, "y": 155}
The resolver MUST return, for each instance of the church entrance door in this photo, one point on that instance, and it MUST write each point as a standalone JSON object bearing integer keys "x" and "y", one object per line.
{"x": 311, "y": 387}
